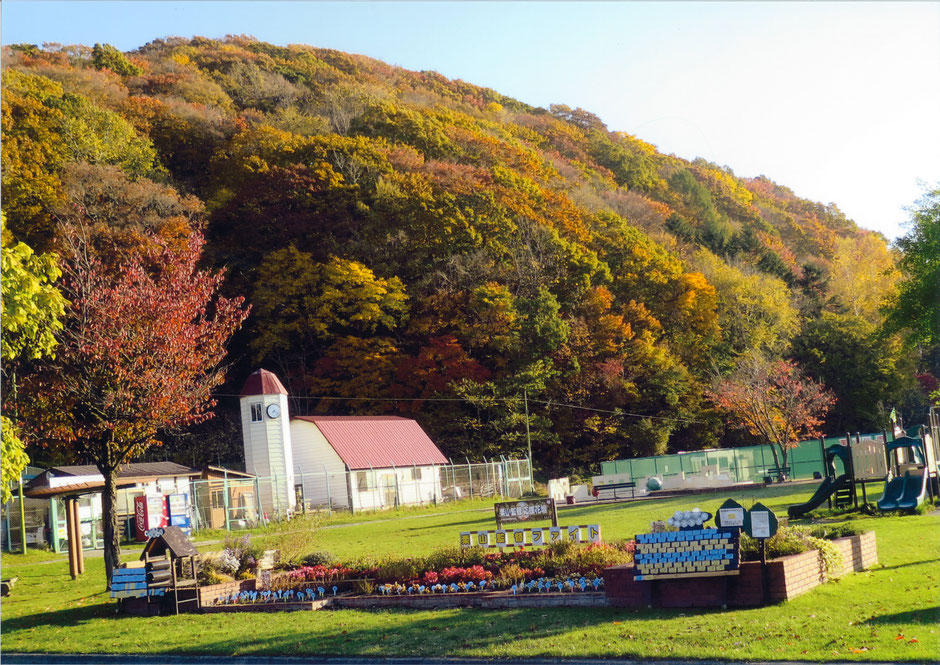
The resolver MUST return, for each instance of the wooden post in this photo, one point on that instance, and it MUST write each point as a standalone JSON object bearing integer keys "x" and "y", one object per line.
{"x": 22, "y": 516}
{"x": 79, "y": 550}
{"x": 70, "y": 536}
{"x": 765, "y": 592}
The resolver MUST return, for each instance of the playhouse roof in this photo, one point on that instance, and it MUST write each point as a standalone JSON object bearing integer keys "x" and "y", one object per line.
{"x": 174, "y": 540}
{"x": 377, "y": 442}
{"x": 263, "y": 382}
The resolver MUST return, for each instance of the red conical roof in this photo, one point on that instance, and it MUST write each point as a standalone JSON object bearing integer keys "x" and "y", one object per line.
{"x": 263, "y": 382}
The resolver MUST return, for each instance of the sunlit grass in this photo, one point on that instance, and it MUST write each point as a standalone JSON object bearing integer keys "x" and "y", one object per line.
{"x": 889, "y": 613}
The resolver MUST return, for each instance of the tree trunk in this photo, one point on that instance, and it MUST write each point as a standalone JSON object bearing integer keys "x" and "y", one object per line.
{"x": 112, "y": 540}
{"x": 783, "y": 474}
{"x": 773, "y": 451}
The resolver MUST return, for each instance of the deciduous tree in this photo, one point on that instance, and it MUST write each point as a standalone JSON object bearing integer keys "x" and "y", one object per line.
{"x": 773, "y": 400}
{"x": 32, "y": 311}
{"x": 140, "y": 351}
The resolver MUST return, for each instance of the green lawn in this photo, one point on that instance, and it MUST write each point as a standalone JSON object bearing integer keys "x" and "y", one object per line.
{"x": 890, "y": 613}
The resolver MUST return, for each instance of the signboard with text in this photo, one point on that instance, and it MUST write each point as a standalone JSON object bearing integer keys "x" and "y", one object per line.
{"x": 511, "y": 512}
{"x": 531, "y": 537}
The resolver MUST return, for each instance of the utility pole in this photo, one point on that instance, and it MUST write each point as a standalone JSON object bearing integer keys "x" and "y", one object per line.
{"x": 525, "y": 400}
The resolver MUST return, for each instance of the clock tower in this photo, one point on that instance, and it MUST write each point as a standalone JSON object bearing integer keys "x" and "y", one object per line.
{"x": 266, "y": 437}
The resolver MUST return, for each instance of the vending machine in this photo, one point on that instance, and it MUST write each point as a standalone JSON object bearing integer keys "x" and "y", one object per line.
{"x": 179, "y": 513}
{"x": 150, "y": 512}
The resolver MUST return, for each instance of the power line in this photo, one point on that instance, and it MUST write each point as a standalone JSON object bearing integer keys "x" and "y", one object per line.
{"x": 548, "y": 403}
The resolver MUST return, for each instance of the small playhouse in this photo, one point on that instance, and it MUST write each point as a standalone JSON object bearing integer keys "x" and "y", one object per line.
{"x": 351, "y": 462}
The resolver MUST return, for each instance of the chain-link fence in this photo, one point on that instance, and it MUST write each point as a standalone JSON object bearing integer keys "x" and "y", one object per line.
{"x": 241, "y": 503}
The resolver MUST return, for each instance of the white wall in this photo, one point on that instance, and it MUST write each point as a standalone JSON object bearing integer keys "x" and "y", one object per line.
{"x": 382, "y": 488}
{"x": 314, "y": 461}
{"x": 268, "y": 451}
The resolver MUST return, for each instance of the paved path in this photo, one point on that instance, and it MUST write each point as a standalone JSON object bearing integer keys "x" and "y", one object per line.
{"x": 120, "y": 659}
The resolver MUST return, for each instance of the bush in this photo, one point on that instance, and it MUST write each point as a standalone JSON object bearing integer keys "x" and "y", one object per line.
{"x": 793, "y": 540}
{"x": 399, "y": 570}
{"x": 833, "y": 531}
{"x": 240, "y": 554}
{"x": 318, "y": 559}
{"x": 295, "y": 539}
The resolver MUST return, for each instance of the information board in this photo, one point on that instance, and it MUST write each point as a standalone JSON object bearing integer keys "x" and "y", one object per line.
{"x": 510, "y": 512}
{"x": 531, "y": 537}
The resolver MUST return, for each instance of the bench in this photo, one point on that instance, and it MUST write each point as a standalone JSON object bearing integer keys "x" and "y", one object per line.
{"x": 781, "y": 472}
{"x": 597, "y": 489}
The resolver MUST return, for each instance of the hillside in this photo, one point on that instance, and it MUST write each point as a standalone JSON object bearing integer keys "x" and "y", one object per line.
{"x": 416, "y": 239}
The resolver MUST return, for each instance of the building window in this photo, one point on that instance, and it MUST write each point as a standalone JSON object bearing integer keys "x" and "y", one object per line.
{"x": 216, "y": 499}
{"x": 416, "y": 473}
{"x": 362, "y": 480}
{"x": 257, "y": 415}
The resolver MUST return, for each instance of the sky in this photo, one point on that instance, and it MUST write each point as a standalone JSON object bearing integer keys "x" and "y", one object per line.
{"x": 840, "y": 101}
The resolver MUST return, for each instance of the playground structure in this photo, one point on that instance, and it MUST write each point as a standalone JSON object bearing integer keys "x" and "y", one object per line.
{"x": 913, "y": 474}
{"x": 862, "y": 461}
{"x": 907, "y": 465}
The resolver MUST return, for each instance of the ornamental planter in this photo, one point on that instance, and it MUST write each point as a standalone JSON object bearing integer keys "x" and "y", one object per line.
{"x": 787, "y": 577}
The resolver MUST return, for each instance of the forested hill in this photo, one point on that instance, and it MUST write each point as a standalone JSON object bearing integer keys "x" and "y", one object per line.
{"x": 402, "y": 235}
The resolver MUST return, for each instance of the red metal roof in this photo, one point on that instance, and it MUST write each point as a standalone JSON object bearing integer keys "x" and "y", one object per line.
{"x": 377, "y": 441}
{"x": 263, "y": 382}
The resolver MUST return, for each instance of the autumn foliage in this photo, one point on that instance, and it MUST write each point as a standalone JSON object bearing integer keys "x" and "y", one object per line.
{"x": 141, "y": 351}
{"x": 773, "y": 400}
{"x": 404, "y": 238}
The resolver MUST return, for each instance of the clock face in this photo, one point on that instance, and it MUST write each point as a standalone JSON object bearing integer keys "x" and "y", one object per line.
{"x": 273, "y": 410}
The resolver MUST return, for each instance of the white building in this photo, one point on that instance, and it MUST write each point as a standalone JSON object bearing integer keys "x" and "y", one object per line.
{"x": 266, "y": 437}
{"x": 352, "y": 462}
{"x": 371, "y": 461}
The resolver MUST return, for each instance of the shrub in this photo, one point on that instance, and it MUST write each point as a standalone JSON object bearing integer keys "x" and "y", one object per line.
{"x": 794, "y": 540}
{"x": 321, "y": 558}
{"x": 242, "y": 551}
{"x": 833, "y": 531}
{"x": 296, "y": 539}
{"x": 511, "y": 574}
{"x": 209, "y": 576}
{"x": 399, "y": 570}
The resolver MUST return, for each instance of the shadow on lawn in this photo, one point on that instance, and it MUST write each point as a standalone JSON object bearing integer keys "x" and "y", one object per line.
{"x": 907, "y": 565}
{"x": 424, "y": 633}
{"x": 929, "y": 616}
{"x": 72, "y": 616}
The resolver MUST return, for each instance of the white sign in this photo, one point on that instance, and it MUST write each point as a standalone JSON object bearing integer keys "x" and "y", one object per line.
{"x": 760, "y": 524}
{"x": 732, "y": 516}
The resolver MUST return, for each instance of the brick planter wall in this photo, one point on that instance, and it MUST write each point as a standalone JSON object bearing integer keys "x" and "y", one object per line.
{"x": 787, "y": 577}
{"x": 209, "y": 594}
{"x": 858, "y": 552}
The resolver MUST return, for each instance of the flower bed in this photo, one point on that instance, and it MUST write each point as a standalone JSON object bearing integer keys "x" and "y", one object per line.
{"x": 564, "y": 569}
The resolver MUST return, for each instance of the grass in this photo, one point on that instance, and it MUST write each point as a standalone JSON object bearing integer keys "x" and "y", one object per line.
{"x": 889, "y": 613}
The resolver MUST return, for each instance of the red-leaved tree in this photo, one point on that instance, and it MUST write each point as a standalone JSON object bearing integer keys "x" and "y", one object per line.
{"x": 772, "y": 399}
{"x": 140, "y": 352}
